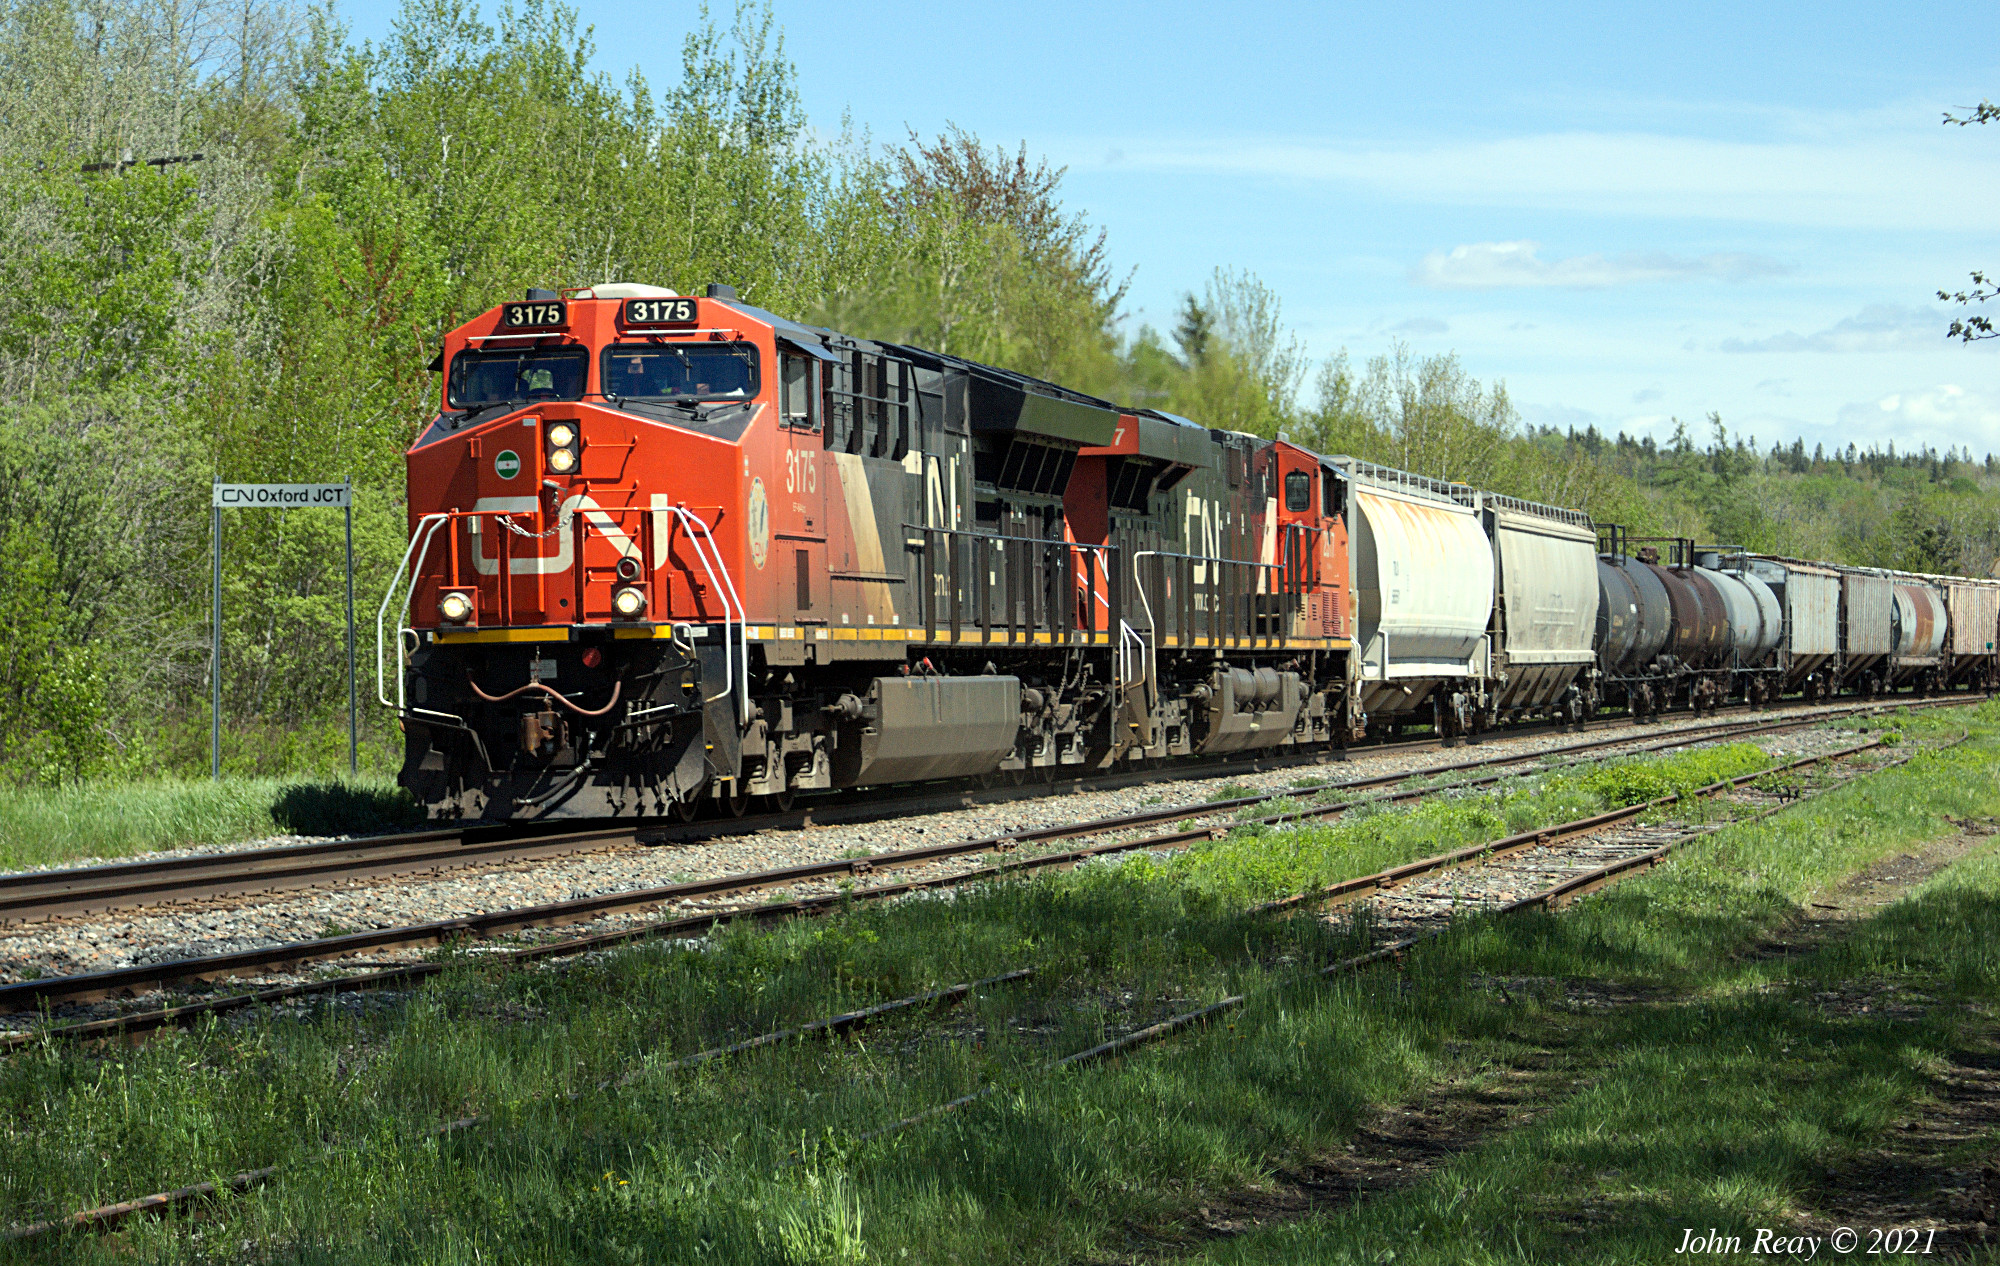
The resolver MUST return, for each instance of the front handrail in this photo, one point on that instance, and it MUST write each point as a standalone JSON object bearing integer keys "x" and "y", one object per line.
{"x": 725, "y": 586}
{"x": 736, "y": 651}
{"x": 426, "y": 531}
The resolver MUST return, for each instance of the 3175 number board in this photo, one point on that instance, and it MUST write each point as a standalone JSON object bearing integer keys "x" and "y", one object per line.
{"x": 533, "y": 315}
{"x": 677, "y": 311}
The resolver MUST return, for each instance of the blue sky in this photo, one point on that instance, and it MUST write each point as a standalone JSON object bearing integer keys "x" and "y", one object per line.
{"x": 1627, "y": 213}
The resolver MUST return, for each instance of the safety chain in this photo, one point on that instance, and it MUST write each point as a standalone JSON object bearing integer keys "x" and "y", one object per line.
{"x": 562, "y": 525}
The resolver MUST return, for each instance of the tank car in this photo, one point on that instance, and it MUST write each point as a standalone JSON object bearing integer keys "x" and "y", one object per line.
{"x": 1756, "y": 626}
{"x": 1693, "y": 665}
{"x": 1634, "y": 624}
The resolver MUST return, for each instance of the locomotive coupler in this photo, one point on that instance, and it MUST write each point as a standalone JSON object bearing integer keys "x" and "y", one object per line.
{"x": 541, "y": 734}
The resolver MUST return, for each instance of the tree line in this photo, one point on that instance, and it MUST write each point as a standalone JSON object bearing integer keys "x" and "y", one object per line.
{"x": 232, "y": 236}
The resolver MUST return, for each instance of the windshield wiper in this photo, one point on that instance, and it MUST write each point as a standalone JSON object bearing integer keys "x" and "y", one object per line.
{"x": 478, "y": 409}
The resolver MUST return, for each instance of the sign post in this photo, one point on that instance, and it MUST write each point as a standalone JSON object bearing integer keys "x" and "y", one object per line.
{"x": 277, "y": 497}
{"x": 353, "y": 742}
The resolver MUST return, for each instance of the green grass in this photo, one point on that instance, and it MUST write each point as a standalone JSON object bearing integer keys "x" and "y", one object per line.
{"x": 1727, "y": 1101}
{"x": 43, "y": 825}
{"x": 756, "y": 1160}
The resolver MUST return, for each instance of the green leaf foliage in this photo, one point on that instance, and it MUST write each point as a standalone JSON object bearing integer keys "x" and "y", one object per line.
{"x": 233, "y": 237}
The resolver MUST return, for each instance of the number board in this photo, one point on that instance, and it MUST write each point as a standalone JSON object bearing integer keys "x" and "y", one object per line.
{"x": 534, "y": 315}
{"x": 677, "y": 311}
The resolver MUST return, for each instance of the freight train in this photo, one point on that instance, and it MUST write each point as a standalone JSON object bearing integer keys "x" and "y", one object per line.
{"x": 674, "y": 553}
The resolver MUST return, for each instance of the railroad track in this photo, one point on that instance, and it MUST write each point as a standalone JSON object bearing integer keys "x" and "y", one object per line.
{"x": 1549, "y": 853}
{"x": 49, "y": 894}
{"x": 1582, "y": 870}
{"x": 1208, "y": 821}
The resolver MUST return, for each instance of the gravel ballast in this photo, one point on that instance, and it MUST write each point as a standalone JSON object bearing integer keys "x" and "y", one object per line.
{"x": 123, "y": 938}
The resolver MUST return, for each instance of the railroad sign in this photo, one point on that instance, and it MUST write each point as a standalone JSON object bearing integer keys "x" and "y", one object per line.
{"x": 282, "y": 496}
{"x": 507, "y": 463}
{"x": 338, "y": 496}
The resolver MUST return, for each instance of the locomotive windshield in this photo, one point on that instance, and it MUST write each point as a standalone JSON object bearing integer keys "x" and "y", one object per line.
{"x": 517, "y": 376}
{"x": 680, "y": 371}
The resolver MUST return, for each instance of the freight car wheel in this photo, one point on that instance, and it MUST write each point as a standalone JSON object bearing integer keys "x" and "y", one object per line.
{"x": 684, "y": 810}
{"x": 737, "y": 803}
{"x": 781, "y": 802}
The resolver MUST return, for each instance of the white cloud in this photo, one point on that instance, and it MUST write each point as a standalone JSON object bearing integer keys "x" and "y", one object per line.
{"x": 1940, "y": 416}
{"x": 1422, "y": 325}
{"x": 1846, "y": 172}
{"x": 1492, "y": 265}
{"x": 1879, "y": 327}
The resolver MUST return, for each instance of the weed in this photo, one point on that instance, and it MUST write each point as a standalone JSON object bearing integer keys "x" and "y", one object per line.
{"x": 55, "y": 824}
{"x": 1717, "y": 1101}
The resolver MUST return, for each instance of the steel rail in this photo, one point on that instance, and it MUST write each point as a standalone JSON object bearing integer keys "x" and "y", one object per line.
{"x": 105, "y": 1217}
{"x": 1569, "y": 889}
{"x": 96, "y": 985}
{"x": 37, "y": 895}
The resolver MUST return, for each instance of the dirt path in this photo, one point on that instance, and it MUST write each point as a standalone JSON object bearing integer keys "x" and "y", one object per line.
{"x": 1395, "y": 1148}
{"x": 1940, "y": 1168}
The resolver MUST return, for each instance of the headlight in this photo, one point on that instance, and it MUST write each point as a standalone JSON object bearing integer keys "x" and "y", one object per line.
{"x": 562, "y": 443}
{"x": 629, "y": 603}
{"x": 455, "y": 607}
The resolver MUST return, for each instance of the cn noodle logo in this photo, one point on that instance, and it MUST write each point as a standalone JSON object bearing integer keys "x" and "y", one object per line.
{"x": 507, "y": 464}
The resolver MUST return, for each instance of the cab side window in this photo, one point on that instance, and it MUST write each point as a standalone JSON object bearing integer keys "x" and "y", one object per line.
{"x": 796, "y": 398}
{"x": 1298, "y": 492}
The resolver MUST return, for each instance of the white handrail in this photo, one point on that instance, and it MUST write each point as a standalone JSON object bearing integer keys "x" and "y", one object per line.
{"x": 725, "y": 586}
{"x": 423, "y": 537}
{"x": 1127, "y": 636}
{"x": 710, "y": 555}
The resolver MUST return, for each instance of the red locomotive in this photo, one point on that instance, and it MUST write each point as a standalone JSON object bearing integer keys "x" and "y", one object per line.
{"x": 668, "y": 549}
